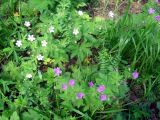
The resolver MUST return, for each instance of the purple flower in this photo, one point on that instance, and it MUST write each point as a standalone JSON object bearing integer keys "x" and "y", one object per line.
{"x": 157, "y": 17}
{"x": 151, "y": 10}
{"x": 101, "y": 88}
{"x": 57, "y": 71}
{"x": 71, "y": 82}
{"x": 90, "y": 84}
{"x": 64, "y": 87}
{"x": 103, "y": 97}
{"x": 80, "y": 95}
{"x": 135, "y": 75}
{"x": 158, "y": 1}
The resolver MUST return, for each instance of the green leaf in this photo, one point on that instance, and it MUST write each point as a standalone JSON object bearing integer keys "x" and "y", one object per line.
{"x": 39, "y": 5}
{"x": 3, "y": 118}
{"x": 15, "y": 116}
{"x": 1, "y": 105}
{"x": 158, "y": 105}
{"x": 33, "y": 115}
{"x": 82, "y": 114}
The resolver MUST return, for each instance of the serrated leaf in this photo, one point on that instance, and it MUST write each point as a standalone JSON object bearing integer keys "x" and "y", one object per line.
{"x": 15, "y": 116}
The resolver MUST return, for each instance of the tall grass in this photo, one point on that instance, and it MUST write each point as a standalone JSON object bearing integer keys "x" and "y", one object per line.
{"x": 136, "y": 39}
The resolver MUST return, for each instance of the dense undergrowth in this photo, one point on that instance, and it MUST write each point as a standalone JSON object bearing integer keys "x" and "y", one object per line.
{"x": 59, "y": 62}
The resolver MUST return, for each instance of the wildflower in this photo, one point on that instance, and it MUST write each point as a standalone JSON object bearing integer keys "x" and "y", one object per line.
{"x": 27, "y": 23}
{"x": 19, "y": 43}
{"x": 90, "y": 84}
{"x": 44, "y": 43}
{"x": 111, "y": 14}
{"x": 157, "y": 17}
{"x": 103, "y": 97}
{"x": 135, "y": 75}
{"x": 80, "y": 95}
{"x": 51, "y": 29}
{"x": 71, "y": 82}
{"x": 151, "y": 10}
{"x": 29, "y": 76}
{"x": 75, "y": 31}
{"x": 57, "y": 71}
{"x": 40, "y": 57}
{"x": 101, "y": 88}
{"x": 64, "y": 87}
{"x": 158, "y": 1}
{"x": 80, "y": 12}
{"x": 31, "y": 38}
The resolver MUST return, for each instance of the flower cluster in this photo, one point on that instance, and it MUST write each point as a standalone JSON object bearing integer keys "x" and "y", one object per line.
{"x": 152, "y": 11}
{"x": 31, "y": 38}
{"x": 51, "y": 29}
{"x": 81, "y": 95}
{"x": 70, "y": 83}
{"x": 100, "y": 89}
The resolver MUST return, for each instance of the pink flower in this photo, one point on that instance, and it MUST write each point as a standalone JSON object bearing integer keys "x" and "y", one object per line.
{"x": 157, "y": 17}
{"x": 71, "y": 82}
{"x": 90, "y": 84}
{"x": 64, "y": 87}
{"x": 57, "y": 71}
{"x": 151, "y": 10}
{"x": 158, "y": 1}
{"x": 80, "y": 95}
{"x": 103, "y": 97}
{"x": 101, "y": 88}
{"x": 135, "y": 75}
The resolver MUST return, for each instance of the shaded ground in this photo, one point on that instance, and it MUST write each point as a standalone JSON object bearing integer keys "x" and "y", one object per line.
{"x": 102, "y": 7}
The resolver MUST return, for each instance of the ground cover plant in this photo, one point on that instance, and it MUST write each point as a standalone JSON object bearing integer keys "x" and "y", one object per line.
{"x": 63, "y": 60}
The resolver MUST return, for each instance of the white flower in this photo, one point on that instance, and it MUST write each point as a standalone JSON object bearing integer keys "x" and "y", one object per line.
{"x": 40, "y": 57}
{"x": 31, "y": 38}
{"x": 19, "y": 43}
{"x": 44, "y": 43}
{"x": 29, "y": 76}
{"x": 27, "y": 23}
{"x": 51, "y": 29}
{"x": 75, "y": 31}
{"x": 80, "y": 12}
{"x": 111, "y": 14}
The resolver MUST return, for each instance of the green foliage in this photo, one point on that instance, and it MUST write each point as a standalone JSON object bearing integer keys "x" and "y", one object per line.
{"x": 14, "y": 116}
{"x": 35, "y": 4}
{"x": 44, "y": 45}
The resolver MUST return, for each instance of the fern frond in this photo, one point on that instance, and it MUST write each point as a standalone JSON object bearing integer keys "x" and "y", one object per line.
{"x": 103, "y": 61}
